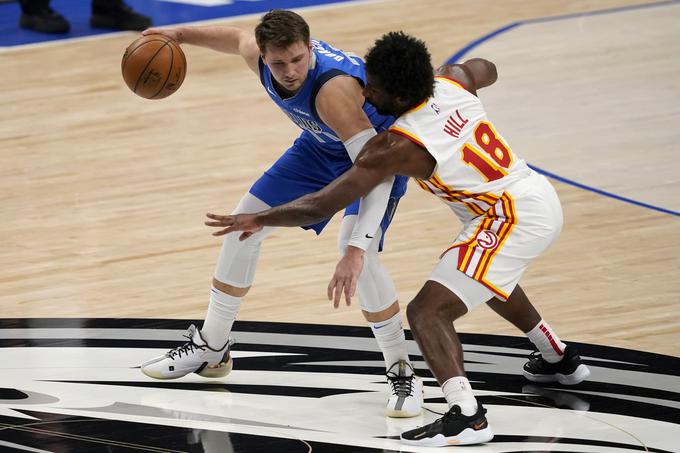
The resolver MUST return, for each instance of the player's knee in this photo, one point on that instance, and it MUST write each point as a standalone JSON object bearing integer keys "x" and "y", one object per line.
{"x": 418, "y": 315}
{"x": 237, "y": 260}
{"x": 375, "y": 286}
{"x": 429, "y": 307}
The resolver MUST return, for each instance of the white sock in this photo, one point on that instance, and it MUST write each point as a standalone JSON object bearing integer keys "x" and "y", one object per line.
{"x": 221, "y": 314}
{"x": 391, "y": 340}
{"x": 547, "y": 342}
{"x": 458, "y": 391}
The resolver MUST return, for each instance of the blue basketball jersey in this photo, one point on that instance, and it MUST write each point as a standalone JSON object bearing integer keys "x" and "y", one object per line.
{"x": 317, "y": 156}
{"x": 327, "y": 62}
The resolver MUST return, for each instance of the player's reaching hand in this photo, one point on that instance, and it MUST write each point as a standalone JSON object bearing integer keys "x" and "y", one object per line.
{"x": 346, "y": 276}
{"x": 237, "y": 222}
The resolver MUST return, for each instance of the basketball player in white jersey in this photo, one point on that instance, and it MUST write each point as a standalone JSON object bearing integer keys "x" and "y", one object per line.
{"x": 443, "y": 138}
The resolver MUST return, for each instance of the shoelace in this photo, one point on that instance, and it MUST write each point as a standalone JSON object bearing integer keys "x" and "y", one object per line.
{"x": 536, "y": 356}
{"x": 186, "y": 348}
{"x": 401, "y": 385}
{"x": 454, "y": 412}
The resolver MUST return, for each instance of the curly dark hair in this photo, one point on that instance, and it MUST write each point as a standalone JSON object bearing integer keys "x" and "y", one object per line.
{"x": 403, "y": 66}
{"x": 280, "y": 28}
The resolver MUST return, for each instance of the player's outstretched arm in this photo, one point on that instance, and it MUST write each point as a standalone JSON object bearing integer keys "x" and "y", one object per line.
{"x": 221, "y": 38}
{"x": 372, "y": 167}
{"x": 474, "y": 74}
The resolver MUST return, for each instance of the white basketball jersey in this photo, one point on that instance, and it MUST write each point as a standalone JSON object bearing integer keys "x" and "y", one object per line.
{"x": 474, "y": 162}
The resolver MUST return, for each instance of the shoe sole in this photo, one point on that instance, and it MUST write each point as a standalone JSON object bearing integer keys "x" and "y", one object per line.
{"x": 402, "y": 414}
{"x": 216, "y": 371}
{"x": 466, "y": 437}
{"x": 205, "y": 370}
{"x": 154, "y": 375}
{"x": 579, "y": 375}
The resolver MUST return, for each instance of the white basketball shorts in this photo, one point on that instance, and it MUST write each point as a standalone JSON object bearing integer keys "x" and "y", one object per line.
{"x": 492, "y": 251}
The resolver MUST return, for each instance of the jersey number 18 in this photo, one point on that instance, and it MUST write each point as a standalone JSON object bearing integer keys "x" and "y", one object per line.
{"x": 491, "y": 147}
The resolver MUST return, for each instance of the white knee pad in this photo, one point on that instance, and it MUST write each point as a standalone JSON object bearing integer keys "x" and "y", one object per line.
{"x": 237, "y": 261}
{"x": 375, "y": 288}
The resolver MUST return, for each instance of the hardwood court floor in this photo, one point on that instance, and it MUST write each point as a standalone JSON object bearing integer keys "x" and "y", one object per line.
{"x": 102, "y": 194}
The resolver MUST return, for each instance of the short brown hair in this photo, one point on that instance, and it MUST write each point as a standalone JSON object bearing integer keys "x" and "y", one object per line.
{"x": 280, "y": 28}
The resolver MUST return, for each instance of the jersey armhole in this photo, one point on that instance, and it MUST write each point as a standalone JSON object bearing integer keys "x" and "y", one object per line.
{"x": 320, "y": 81}
{"x": 260, "y": 66}
{"x": 454, "y": 81}
{"x": 416, "y": 140}
{"x": 407, "y": 135}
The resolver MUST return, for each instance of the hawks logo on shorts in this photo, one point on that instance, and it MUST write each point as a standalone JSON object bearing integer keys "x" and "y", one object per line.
{"x": 487, "y": 239}
{"x": 489, "y": 188}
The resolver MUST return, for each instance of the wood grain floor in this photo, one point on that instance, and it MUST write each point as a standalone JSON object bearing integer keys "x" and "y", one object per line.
{"x": 102, "y": 194}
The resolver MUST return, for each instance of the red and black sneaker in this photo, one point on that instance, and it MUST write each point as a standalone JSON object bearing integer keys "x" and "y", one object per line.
{"x": 569, "y": 371}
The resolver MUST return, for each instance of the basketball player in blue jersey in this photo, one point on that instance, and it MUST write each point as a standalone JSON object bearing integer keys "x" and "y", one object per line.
{"x": 320, "y": 89}
{"x": 443, "y": 138}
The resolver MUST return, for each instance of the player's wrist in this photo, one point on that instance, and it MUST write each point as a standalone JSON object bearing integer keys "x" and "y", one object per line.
{"x": 354, "y": 251}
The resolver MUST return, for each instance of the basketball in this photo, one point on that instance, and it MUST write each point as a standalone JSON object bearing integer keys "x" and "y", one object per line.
{"x": 153, "y": 66}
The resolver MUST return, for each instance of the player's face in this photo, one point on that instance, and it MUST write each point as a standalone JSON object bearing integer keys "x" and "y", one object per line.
{"x": 376, "y": 95}
{"x": 289, "y": 65}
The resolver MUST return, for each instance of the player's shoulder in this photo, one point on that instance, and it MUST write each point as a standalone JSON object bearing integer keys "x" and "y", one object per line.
{"x": 457, "y": 74}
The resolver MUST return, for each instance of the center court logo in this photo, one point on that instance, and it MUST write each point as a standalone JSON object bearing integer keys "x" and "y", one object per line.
{"x": 301, "y": 384}
{"x": 487, "y": 239}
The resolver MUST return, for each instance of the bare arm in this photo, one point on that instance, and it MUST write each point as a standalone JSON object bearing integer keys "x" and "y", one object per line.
{"x": 371, "y": 167}
{"x": 221, "y": 38}
{"x": 340, "y": 105}
{"x": 474, "y": 74}
{"x": 368, "y": 171}
{"x": 383, "y": 156}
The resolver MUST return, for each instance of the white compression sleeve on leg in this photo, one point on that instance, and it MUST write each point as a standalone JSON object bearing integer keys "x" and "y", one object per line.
{"x": 374, "y": 204}
{"x": 235, "y": 266}
{"x": 238, "y": 259}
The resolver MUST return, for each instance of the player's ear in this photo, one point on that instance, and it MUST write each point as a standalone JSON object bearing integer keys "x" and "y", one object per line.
{"x": 402, "y": 103}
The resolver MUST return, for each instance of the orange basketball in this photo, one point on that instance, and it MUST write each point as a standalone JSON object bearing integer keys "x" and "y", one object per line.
{"x": 153, "y": 66}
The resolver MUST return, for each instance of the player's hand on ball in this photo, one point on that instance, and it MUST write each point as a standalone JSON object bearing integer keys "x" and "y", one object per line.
{"x": 231, "y": 223}
{"x": 171, "y": 32}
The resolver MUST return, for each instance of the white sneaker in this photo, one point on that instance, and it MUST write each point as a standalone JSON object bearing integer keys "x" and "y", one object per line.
{"x": 406, "y": 399}
{"x": 194, "y": 356}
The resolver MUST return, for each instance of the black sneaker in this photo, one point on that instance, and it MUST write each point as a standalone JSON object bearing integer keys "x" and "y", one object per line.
{"x": 453, "y": 428}
{"x": 569, "y": 371}
{"x": 45, "y": 21}
{"x": 119, "y": 16}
